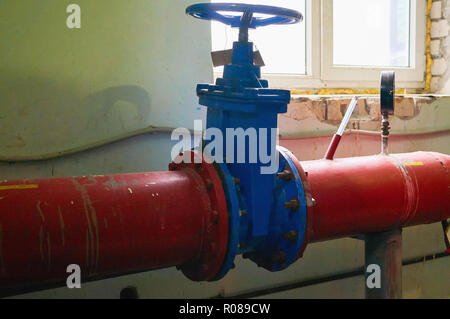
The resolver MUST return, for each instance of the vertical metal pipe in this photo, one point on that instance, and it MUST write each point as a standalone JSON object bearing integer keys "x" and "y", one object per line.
{"x": 245, "y": 24}
{"x": 446, "y": 229}
{"x": 385, "y": 250}
{"x": 385, "y": 134}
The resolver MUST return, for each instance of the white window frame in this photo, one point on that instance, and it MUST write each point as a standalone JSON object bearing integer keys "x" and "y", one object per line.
{"x": 321, "y": 73}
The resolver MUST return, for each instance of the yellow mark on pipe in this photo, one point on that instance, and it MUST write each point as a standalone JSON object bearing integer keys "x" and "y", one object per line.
{"x": 413, "y": 164}
{"x": 9, "y": 187}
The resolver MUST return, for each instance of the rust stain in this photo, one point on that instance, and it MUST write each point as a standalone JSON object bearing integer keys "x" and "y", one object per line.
{"x": 11, "y": 187}
{"x": 90, "y": 236}
{"x": 87, "y": 248}
{"x": 112, "y": 183}
{"x": 93, "y": 235}
{"x": 41, "y": 242}
{"x": 95, "y": 223}
{"x": 38, "y": 206}
{"x": 49, "y": 251}
{"x": 61, "y": 223}
{"x": 411, "y": 190}
{"x": 120, "y": 217}
{"x": 2, "y": 261}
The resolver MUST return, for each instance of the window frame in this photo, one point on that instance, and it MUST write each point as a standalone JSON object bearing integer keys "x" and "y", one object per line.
{"x": 322, "y": 74}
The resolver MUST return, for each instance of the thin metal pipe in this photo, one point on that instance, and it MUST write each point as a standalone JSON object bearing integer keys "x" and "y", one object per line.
{"x": 347, "y": 116}
{"x": 337, "y": 137}
{"x": 385, "y": 131}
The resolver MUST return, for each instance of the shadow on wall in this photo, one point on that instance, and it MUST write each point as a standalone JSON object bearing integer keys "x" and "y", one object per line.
{"x": 45, "y": 117}
{"x": 120, "y": 107}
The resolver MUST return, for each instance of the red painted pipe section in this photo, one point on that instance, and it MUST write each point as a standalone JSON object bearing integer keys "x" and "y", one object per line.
{"x": 370, "y": 194}
{"x": 107, "y": 225}
{"x": 111, "y": 225}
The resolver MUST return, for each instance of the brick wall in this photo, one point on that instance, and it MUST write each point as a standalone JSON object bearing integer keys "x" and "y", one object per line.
{"x": 440, "y": 46}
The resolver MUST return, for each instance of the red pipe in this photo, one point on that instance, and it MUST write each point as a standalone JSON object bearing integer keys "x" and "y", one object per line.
{"x": 124, "y": 223}
{"x": 355, "y": 196}
{"x": 111, "y": 225}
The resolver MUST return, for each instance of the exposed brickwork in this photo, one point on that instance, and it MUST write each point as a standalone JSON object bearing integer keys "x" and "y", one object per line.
{"x": 440, "y": 44}
{"x": 332, "y": 109}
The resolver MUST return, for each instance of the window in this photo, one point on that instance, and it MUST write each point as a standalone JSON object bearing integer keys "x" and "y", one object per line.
{"x": 340, "y": 44}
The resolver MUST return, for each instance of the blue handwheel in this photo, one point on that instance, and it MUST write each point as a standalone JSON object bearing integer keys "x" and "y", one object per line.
{"x": 276, "y": 15}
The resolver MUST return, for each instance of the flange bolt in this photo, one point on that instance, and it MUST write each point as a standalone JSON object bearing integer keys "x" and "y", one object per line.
{"x": 285, "y": 175}
{"x": 280, "y": 257}
{"x": 291, "y": 235}
{"x": 293, "y": 205}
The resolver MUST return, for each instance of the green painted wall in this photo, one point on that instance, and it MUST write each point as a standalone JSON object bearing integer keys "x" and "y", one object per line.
{"x": 132, "y": 64}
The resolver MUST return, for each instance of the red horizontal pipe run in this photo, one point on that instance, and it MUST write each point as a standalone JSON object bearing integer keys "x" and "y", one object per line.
{"x": 369, "y": 194}
{"x": 106, "y": 225}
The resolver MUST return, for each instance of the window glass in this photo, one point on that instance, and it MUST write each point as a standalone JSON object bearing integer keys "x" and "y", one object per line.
{"x": 371, "y": 33}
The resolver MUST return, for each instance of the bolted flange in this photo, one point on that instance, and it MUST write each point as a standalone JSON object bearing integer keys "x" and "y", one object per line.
{"x": 212, "y": 254}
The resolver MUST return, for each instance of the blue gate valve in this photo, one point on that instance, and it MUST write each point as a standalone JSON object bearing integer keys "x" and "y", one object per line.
{"x": 267, "y": 211}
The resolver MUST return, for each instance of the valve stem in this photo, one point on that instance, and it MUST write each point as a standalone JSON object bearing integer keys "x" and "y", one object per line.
{"x": 387, "y": 105}
{"x": 385, "y": 131}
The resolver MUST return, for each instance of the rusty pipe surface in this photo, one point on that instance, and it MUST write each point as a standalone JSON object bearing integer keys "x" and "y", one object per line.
{"x": 106, "y": 225}
{"x": 362, "y": 195}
